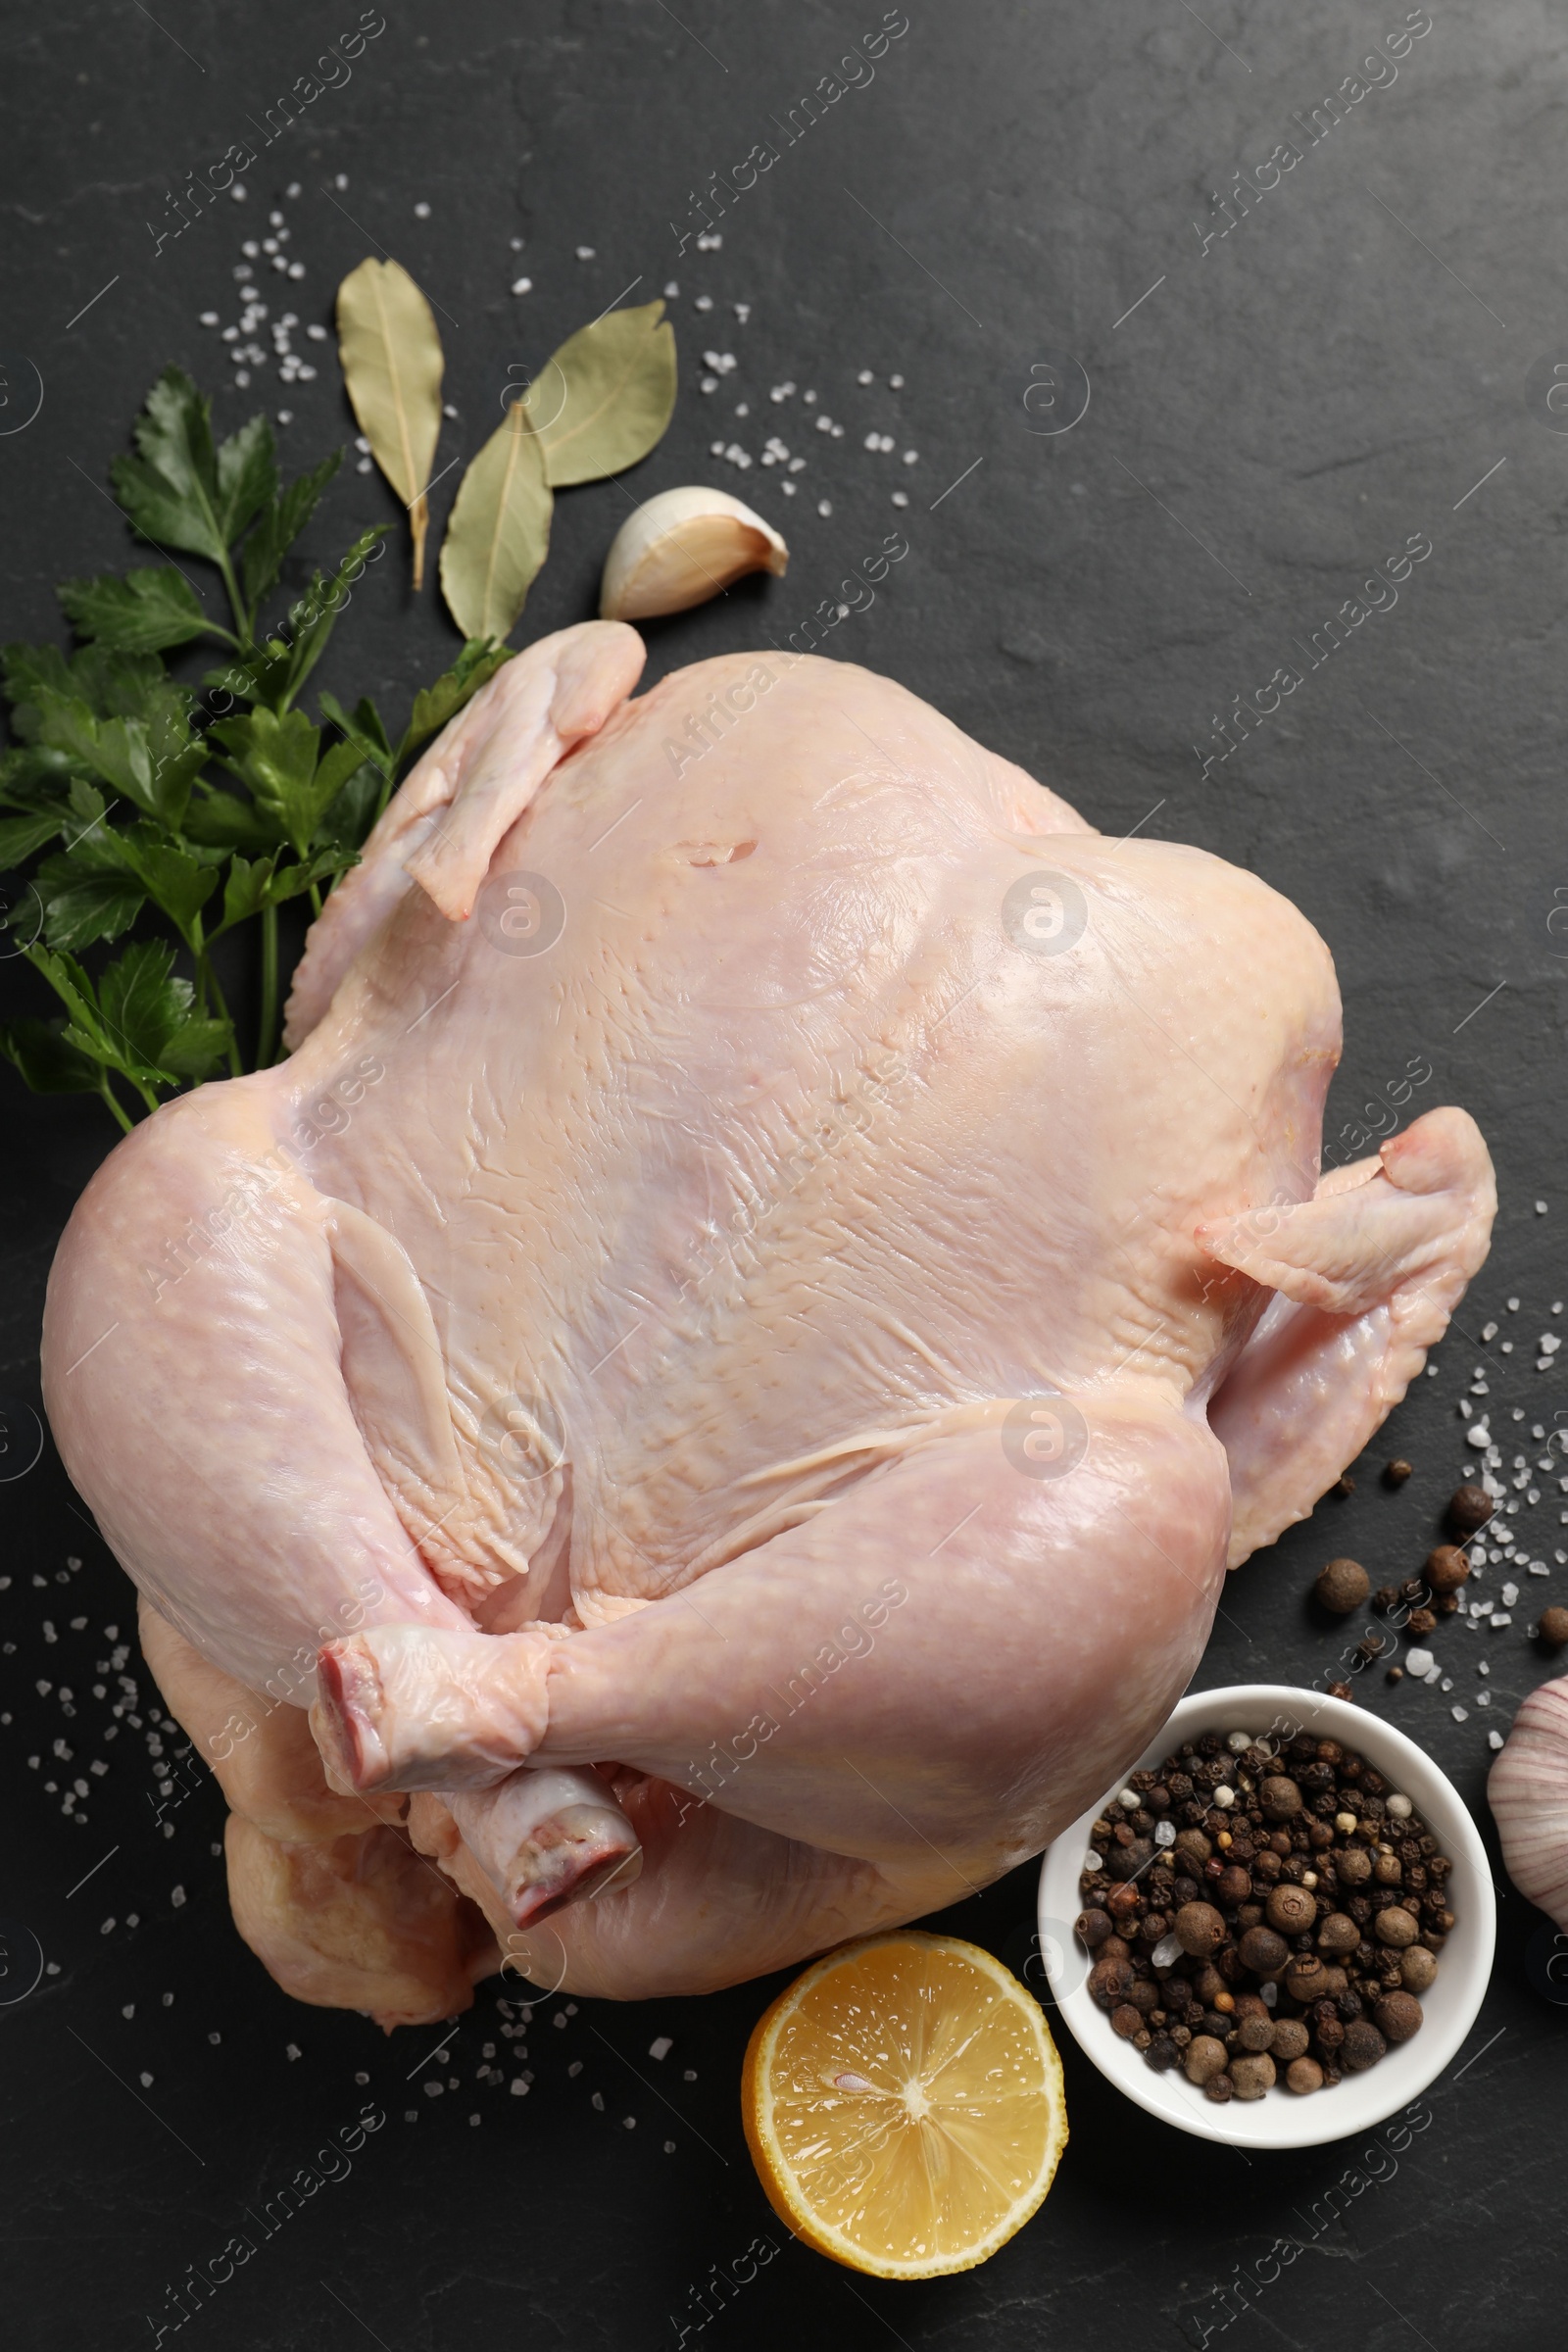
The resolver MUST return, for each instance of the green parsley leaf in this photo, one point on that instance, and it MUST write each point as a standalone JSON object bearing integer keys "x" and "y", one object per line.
{"x": 141, "y": 613}
{"x": 46, "y": 1061}
{"x": 168, "y": 492}
{"x": 435, "y": 704}
{"x": 280, "y": 524}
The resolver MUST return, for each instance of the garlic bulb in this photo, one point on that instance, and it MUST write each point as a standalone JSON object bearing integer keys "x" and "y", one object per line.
{"x": 681, "y": 548}
{"x": 1528, "y": 1789}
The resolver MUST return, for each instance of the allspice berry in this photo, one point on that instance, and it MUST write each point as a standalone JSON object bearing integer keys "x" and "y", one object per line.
{"x": 1110, "y": 1982}
{"x": 1279, "y": 1797}
{"x": 1201, "y": 1929}
{"x": 1303, "y": 1979}
{"x": 1126, "y": 2021}
{"x": 1253, "y": 2075}
{"x": 1206, "y": 2058}
{"x": 1469, "y": 1507}
{"x": 1290, "y": 2041}
{"x": 1093, "y": 1928}
{"x": 1447, "y": 1568}
{"x": 1553, "y": 1627}
{"x": 1418, "y": 1968}
{"x": 1290, "y": 1910}
{"x": 1255, "y": 2033}
{"x": 1352, "y": 1866}
{"x": 1343, "y": 1586}
{"x": 1399, "y": 2014}
{"x": 1263, "y": 1953}
{"x": 1364, "y": 2045}
{"x": 1338, "y": 1933}
{"x": 1234, "y": 1885}
{"x": 1396, "y": 1926}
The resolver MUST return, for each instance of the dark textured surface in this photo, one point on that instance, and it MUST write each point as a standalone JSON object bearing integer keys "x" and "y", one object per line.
{"x": 1283, "y": 409}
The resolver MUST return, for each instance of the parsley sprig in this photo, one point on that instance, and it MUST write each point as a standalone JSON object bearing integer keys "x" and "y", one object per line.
{"x": 131, "y": 801}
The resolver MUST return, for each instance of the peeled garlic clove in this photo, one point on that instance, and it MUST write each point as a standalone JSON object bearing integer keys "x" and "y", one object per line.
{"x": 681, "y": 548}
{"x": 1528, "y": 1790}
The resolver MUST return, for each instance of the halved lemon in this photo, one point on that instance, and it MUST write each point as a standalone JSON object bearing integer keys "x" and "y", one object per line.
{"x": 904, "y": 2105}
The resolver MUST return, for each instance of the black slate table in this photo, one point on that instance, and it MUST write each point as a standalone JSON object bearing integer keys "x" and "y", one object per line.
{"x": 1163, "y": 433}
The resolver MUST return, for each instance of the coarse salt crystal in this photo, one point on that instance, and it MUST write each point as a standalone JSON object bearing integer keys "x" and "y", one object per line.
{"x": 660, "y": 2046}
{"x": 1420, "y": 1662}
{"x": 522, "y": 285}
{"x": 1167, "y": 1951}
{"x": 1164, "y": 1832}
{"x": 1502, "y": 1618}
{"x": 1460, "y": 1714}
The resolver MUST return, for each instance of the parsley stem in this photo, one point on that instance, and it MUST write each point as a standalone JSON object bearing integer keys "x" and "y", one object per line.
{"x": 211, "y": 993}
{"x": 263, "y": 1040}
{"x": 109, "y": 1096}
{"x": 242, "y": 619}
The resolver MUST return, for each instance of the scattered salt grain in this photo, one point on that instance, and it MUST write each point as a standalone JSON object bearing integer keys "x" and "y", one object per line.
{"x": 291, "y": 2050}
{"x": 585, "y": 253}
{"x": 1166, "y": 1952}
{"x": 422, "y": 212}
{"x": 1494, "y": 1738}
{"x": 146, "y": 2079}
{"x": 660, "y": 2046}
{"x": 896, "y": 382}
{"x": 669, "y": 2148}
{"x": 1419, "y": 1662}
{"x": 178, "y": 1897}
{"x": 520, "y": 2088}
{"x": 825, "y": 507}
{"x": 522, "y": 285}
{"x": 1164, "y": 1832}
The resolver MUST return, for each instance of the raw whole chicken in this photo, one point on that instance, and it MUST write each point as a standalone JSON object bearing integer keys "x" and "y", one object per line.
{"x": 727, "y": 1367}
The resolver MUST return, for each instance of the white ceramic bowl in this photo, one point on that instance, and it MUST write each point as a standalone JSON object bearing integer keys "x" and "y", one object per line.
{"x": 1281, "y": 2119}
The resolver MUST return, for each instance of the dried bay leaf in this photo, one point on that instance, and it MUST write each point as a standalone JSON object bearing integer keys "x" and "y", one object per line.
{"x": 602, "y": 399}
{"x": 499, "y": 532}
{"x": 391, "y": 357}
